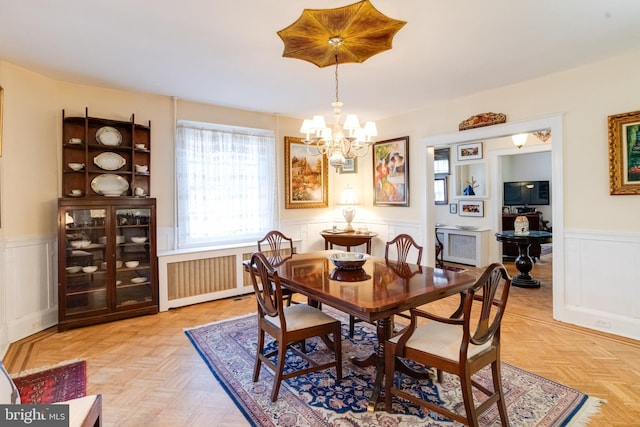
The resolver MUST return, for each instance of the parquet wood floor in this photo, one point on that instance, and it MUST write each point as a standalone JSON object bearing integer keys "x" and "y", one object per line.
{"x": 150, "y": 375}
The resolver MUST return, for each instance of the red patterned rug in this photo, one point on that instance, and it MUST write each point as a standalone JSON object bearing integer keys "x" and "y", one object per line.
{"x": 67, "y": 380}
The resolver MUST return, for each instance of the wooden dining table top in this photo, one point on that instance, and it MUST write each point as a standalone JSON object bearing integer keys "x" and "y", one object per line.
{"x": 379, "y": 290}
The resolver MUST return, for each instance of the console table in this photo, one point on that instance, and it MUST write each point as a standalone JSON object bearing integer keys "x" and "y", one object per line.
{"x": 347, "y": 239}
{"x": 524, "y": 264}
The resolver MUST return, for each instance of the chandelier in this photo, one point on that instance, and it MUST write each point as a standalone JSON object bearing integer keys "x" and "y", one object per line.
{"x": 354, "y": 33}
{"x": 339, "y": 142}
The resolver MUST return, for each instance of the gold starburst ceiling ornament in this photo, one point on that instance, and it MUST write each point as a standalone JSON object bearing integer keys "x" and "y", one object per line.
{"x": 327, "y": 37}
{"x": 363, "y": 29}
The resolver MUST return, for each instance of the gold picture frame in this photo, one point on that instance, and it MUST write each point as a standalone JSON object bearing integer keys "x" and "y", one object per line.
{"x": 306, "y": 176}
{"x": 624, "y": 153}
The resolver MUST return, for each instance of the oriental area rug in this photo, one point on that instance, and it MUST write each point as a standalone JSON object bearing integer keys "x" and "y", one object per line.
{"x": 228, "y": 348}
{"x": 65, "y": 381}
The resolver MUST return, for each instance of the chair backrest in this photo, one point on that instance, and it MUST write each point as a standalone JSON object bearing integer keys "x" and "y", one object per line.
{"x": 484, "y": 306}
{"x": 276, "y": 241}
{"x": 403, "y": 243}
{"x": 266, "y": 285}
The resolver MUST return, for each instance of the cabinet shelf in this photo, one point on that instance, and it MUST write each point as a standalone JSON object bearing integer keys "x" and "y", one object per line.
{"x": 85, "y": 129}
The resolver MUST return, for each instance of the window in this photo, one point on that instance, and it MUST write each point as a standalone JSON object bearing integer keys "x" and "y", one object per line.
{"x": 441, "y": 161}
{"x": 226, "y": 183}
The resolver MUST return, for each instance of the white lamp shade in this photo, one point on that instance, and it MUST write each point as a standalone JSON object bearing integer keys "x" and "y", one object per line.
{"x": 370, "y": 129}
{"x": 319, "y": 123}
{"x": 349, "y": 197}
{"x": 520, "y": 139}
{"x": 351, "y": 122}
{"x": 307, "y": 126}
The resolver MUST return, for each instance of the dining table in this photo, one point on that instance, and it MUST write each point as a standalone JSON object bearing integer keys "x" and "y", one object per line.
{"x": 373, "y": 293}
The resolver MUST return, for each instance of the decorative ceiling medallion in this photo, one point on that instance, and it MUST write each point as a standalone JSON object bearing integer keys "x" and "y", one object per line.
{"x": 543, "y": 135}
{"x": 480, "y": 120}
{"x": 364, "y": 30}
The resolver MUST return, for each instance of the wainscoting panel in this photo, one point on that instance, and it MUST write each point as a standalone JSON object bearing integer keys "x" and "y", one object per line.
{"x": 601, "y": 282}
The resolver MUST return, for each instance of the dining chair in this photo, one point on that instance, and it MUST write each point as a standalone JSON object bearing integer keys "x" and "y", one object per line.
{"x": 288, "y": 325}
{"x": 461, "y": 346}
{"x": 280, "y": 247}
{"x": 404, "y": 244}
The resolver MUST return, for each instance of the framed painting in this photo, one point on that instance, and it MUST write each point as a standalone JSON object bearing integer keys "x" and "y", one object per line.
{"x": 624, "y": 153}
{"x": 470, "y": 151}
{"x": 471, "y": 208}
{"x": 350, "y": 166}
{"x": 391, "y": 172}
{"x": 440, "y": 187}
{"x": 306, "y": 176}
{"x": 453, "y": 208}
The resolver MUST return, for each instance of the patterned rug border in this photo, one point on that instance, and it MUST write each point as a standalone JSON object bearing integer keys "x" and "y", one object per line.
{"x": 41, "y": 369}
{"x": 578, "y": 416}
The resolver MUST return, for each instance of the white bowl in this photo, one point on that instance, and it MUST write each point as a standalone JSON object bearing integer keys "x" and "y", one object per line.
{"x": 74, "y": 269}
{"x": 138, "y": 239}
{"x": 138, "y": 279}
{"x": 90, "y": 268}
{"x": 75, "y": 141}
{"x": 140, "y": 146}
{"x": 80, "y": 244}
{"x": 142, "y": 168}
{"x": 76, "y": 166}
{"x": 76, "y": 192}
{"x": 132, "y": 264}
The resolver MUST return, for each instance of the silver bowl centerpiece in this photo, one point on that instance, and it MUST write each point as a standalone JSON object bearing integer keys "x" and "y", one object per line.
{"x": 348, "y": 260}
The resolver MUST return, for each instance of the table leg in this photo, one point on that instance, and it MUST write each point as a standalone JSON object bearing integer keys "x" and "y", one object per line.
{"x": 524, "y": 264}
{"x": 384, "y": 330}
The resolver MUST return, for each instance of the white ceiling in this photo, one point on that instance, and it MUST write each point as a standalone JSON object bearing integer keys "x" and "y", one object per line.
{"x": 228, "y": 53}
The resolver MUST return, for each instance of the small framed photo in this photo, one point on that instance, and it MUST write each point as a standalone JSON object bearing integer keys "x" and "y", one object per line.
{"x": 471, "y": 151}
{"x": 350, "y": 166}
{"x": 471, "y": 208}
{"x": 453, "y": 208}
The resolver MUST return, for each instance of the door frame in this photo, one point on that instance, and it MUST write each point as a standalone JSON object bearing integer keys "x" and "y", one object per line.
{"x": 552, "y": 123}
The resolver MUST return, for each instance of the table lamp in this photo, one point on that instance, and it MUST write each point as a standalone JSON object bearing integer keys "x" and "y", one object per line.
{"x": 348, "y": 199}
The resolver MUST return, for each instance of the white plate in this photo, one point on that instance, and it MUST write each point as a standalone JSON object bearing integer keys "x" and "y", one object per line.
{"x": 109, "y": 161}
{"x": 107, "y": 135}
{"x": 138, "y": 279}
{"x": 109, "y": 184}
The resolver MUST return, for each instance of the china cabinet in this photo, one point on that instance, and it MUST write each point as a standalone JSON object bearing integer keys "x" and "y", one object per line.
{"x": 103, "y": 157}
{"x": 107, "y": 264}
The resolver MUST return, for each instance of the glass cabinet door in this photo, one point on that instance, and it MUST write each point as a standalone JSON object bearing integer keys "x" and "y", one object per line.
{"x": 133, "y": 259}
{"x": 86, "y": 273}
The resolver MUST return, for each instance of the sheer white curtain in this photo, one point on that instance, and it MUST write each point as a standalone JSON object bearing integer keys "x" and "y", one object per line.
{"x": 226, "y": 182}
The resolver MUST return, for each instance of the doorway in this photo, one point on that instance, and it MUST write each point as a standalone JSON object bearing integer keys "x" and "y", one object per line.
{"x": 494, "y": 198}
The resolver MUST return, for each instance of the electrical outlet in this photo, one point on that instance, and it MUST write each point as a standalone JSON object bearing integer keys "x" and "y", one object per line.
{"x": 601, "y": 323}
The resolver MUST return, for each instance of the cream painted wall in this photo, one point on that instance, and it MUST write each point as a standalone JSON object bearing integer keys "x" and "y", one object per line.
{"x": 29, "y": 172}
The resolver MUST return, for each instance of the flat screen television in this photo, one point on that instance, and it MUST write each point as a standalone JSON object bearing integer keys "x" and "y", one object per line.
{"x": 526, "y": 193}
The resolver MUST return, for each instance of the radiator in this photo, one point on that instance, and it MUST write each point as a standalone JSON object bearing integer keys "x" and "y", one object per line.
{"x": 461, "y": 246}
{"x": 201, "y": 276}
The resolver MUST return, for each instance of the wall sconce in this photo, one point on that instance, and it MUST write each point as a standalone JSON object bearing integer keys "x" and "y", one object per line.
{"x": 520, "y": 139}
{"x": 348, "y": 199}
